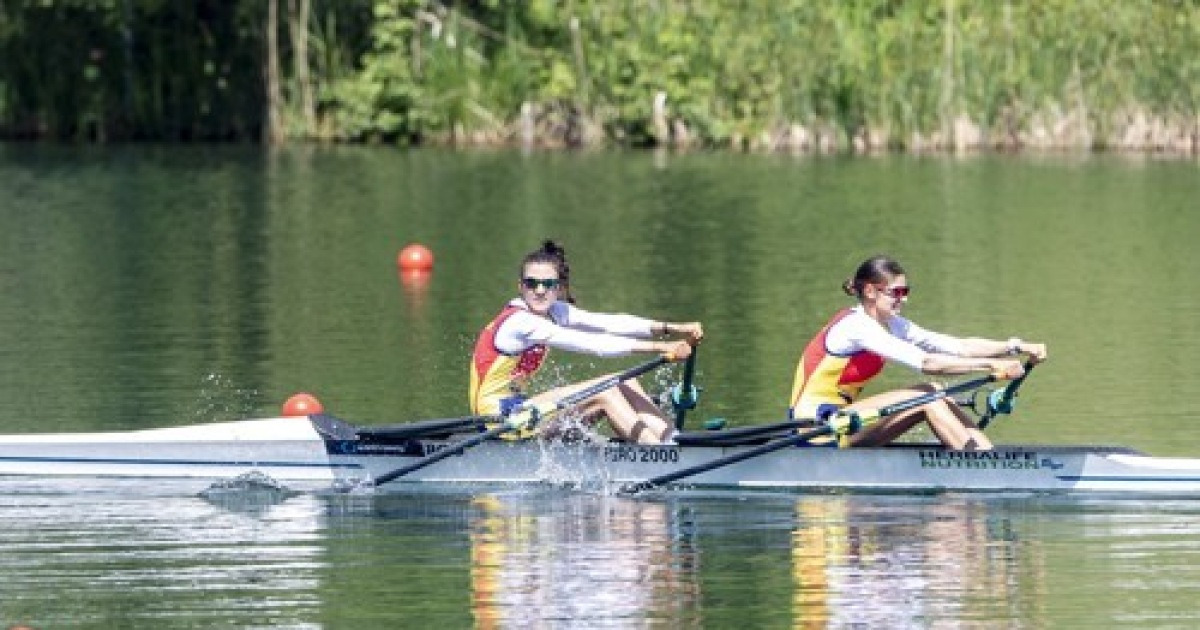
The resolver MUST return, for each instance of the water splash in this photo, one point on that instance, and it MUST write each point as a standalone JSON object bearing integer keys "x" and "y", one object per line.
{"x": 252, "y": 481}
{"x": 252, "y": 492}
{"x": 219, "y": 398}
{"x": 354, "y": 485}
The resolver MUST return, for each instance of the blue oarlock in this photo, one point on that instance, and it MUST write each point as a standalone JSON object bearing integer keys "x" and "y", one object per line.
{"x": 999, "y": 401}
{"x": 680, "y": 401}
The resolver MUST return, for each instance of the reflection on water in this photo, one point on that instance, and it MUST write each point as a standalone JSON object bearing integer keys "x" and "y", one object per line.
{"x": 589, "y": 562}
{"x": 93, "y": 553}
{"x": 901, "y": 564}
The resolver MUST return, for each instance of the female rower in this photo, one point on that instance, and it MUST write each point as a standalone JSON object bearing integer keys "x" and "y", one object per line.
{"x": 853, "y": 346}
{"x": 512, "y": 347}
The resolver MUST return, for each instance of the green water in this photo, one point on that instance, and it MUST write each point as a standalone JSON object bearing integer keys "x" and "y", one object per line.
{"x": 152, "y": 286}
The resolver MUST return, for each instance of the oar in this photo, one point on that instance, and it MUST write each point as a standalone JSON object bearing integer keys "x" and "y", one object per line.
{"x": 844, "y": 423}
{"x": 534, "y": 415}
{"x": 1001, "y": 400}
{"x": 439, "y": 426}
{"x": 696, "y": 438}
{"x": 685, "y": 398}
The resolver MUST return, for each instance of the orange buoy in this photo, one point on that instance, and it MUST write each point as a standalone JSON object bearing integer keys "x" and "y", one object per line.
{"x": 415, "y": 256}
{"x": 302, "y": 404}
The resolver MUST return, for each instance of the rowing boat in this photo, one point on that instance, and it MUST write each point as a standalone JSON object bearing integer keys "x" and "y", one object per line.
{"x": 327, "y": 450}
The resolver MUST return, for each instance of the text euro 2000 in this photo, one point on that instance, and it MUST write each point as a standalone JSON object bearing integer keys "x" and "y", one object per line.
{"x": 641, "y": 454}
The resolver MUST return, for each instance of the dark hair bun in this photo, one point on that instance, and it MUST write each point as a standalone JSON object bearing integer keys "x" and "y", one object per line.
{"x": 848, "y": 287}
{"x": 550, "y": 248}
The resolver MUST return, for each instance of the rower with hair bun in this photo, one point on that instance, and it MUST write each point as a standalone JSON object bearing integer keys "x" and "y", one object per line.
{"x": 513, "y": 346}
{"x": 853, "y": 346}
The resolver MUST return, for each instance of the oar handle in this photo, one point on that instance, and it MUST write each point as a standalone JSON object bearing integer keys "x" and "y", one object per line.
{"x": 685, "y": 400}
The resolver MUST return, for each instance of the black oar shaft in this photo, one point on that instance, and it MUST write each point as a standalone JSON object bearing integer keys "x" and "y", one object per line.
{"x": 925, "y": 399}
{"x": 438, "y": 456}
{"x": 424, "y": 427}
{"x": 565, "y": 401}
{"x": 612, "y": 381}
{"x": 741, "y": 433}
{"x": 801, "y": 438}
{"x": 757, "y": 451}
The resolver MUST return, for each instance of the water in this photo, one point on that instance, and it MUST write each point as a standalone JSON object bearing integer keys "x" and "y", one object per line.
{"x": 154, "y": 286}
{"x": 99, "y": 556}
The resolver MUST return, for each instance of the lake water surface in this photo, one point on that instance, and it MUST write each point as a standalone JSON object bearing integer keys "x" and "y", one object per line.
{"x": 152, "y": 286}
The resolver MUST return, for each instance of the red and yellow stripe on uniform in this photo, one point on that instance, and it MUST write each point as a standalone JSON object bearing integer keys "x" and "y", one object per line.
{"x": 824, "y": 378}
{"x": 495, "y": 375}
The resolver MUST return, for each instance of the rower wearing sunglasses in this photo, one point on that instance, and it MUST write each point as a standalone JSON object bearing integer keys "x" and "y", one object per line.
{"x": 854, "y": 345}
{"x": 513, "y": 346}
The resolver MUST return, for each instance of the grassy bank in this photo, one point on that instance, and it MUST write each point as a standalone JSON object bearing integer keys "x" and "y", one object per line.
{"x": 756, "y": 75}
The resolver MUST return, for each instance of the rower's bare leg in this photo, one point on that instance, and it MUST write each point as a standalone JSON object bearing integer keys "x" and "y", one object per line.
{"x": 976, "y": 439}
{"x": 949, "y": 422}
{"x": 586, "y": 411}
{"x": 952, "y": 426}
{"x": 632, "y": 414}
{"x": 885, "y": 430}
{"x": 946, "y": 426}
{"x": 625, "y": 419}
{"x": 649, "y": 415}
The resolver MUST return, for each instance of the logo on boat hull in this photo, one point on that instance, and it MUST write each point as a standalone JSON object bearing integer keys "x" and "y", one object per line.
{"x": 401, "y": 448}
{"x": 985, "y": 460}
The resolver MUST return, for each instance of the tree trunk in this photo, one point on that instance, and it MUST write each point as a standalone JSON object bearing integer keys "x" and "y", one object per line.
{"x": 127, "y": 119}
{"x": 298, "y": 17}
{"x": 273, "y": 133}
{"x": 947, "y": 104}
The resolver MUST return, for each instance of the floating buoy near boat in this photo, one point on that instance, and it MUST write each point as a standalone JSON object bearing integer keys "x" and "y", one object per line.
{"x": 415, "y": 257}
{"x": 302, "y": 404}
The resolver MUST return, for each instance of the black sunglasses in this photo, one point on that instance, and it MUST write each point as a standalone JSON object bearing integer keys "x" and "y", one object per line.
{"x": 532, "y": 284}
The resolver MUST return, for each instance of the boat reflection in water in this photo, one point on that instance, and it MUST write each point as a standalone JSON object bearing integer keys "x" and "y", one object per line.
{"x": 581, "y": 561}
{"x": 907, "y": 562}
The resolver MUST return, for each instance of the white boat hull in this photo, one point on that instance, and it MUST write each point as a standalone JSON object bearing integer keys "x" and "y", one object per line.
{"x": 291, "y": 449}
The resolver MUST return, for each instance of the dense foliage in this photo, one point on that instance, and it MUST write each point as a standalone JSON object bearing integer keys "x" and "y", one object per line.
{"x": 757, "y": 74}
